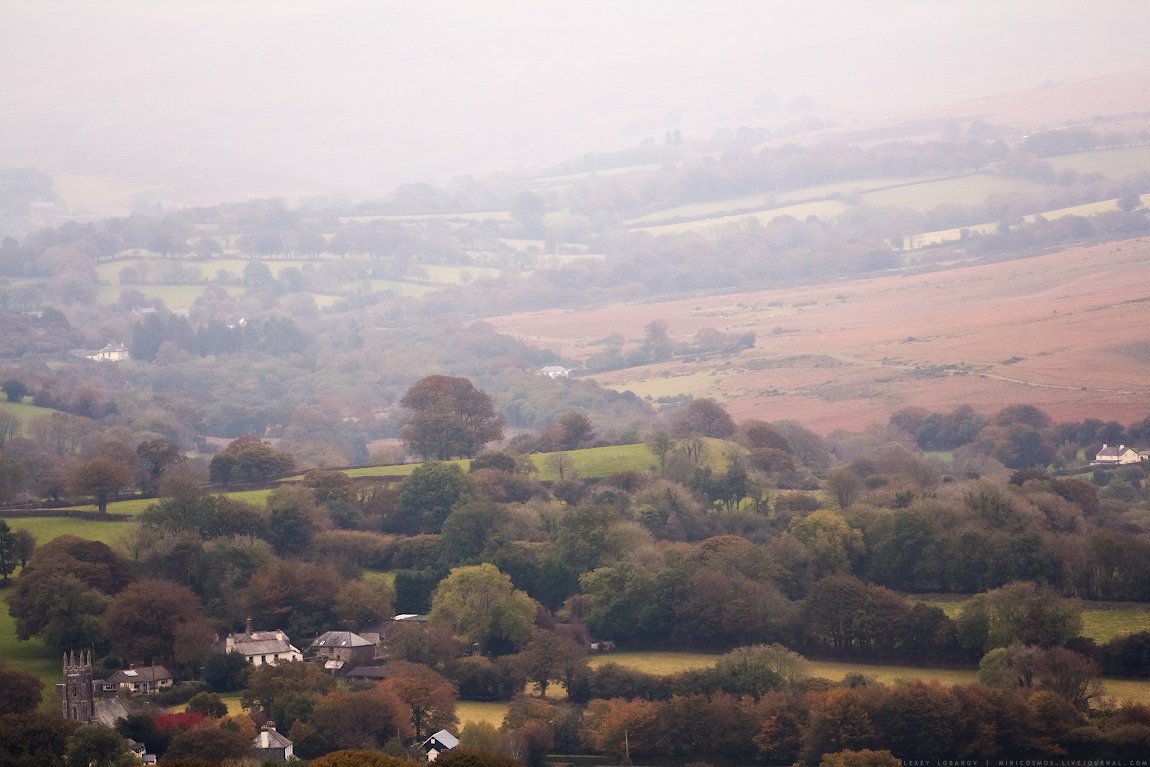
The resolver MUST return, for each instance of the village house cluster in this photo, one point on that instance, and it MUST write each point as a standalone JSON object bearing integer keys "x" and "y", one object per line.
{"x": 358, "y": 658}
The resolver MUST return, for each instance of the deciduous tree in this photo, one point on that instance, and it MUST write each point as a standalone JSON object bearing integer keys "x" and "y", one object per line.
{"x": 249, "y": 459}
{"x": 101, "y": 477}
{"x": 94, "y": 745}
{"x": 428, "y": 698}
{"x": 19, "y": 692}
{"x": 147, "y": 620}
{"x": 481, "y": 606}
{"x": 449, "y": 418}
{"x": 548, "y": 657}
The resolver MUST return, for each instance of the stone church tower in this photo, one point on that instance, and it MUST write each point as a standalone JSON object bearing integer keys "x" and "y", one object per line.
{"x": 77, "y": 693}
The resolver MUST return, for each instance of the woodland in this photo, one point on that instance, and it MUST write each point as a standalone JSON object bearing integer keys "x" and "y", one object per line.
{"x": 317, "y": 352}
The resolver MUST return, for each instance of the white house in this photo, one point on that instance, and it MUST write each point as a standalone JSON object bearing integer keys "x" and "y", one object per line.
{"x": 1120, "y": 455}
{"x": 260, "y": 647}
{"x": 554, "y": 371}
{"x": 111, "y": 353}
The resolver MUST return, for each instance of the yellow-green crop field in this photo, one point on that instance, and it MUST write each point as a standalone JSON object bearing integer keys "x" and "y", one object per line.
{"x": 491, "y": 712}
{"x": 1115, "y": 163}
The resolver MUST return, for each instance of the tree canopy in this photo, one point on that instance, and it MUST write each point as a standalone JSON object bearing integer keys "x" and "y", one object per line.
{"x": 448, "y": 418}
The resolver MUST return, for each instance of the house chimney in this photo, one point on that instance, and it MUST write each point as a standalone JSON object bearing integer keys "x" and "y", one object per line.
{"x": 248, "y": 625}
{"x": 269, "y": 726}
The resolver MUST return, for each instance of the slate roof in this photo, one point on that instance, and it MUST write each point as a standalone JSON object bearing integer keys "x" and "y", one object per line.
{"x": 340, "y": 639}
{"x": 271, "y": 739}
{"x": 442, "y": 738}
{"x": 264, "y": 647}
{"x": 368, "y": 672}
{"x": 137, "y": 675}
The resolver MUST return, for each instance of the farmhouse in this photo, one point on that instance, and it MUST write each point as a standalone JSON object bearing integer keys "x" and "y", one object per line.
{"x": 260, "y": 647}
{"x": 1120, "y": 455}
{"x": 554, "y": 371}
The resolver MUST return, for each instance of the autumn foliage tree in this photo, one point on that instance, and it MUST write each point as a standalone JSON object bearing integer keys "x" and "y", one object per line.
{"x": 449, "y": 418}
{"x": 158, "y": 619}
{"x": 427, "y": 697}
{"x": 101, "y": 477}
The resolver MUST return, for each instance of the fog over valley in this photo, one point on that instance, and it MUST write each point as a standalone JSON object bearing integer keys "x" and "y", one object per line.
{"x": 195, "y": 103}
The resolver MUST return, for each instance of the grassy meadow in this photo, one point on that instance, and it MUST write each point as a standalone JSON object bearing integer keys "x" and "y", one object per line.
{"x": 1115, "y": 163}
{"x": 31, "y": 657}
{"x": 825, "y": 209}
{"x": 25, "y": 411}
{"x": 1101, "y": 621}
{"x": 44, "y": 529}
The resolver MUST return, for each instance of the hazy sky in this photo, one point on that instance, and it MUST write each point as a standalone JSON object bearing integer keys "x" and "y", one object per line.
{"x": 358, "y": 96}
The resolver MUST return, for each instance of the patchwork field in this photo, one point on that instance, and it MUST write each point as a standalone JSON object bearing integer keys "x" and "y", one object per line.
{"x": 1063, "y": 331}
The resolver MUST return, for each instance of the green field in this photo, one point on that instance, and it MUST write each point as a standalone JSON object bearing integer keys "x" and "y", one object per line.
{"x": 597, "y": 461}
{"x": 173, "y": 296}
{"x": 31, "y": 657}
{"x": 25, "y": 411}
{"x": 44, "y": 529}
{"x": 541, "y": 182}
{"x": 963, "y": 190}
{"x": 1101, "y": 621}
{"x": 1115, "y": 163}
{"x": 824, "y": 209}
{"x": 491, "y": 712}
{"x": 481, "y": 215}
{"x": 705, "y": 210}
{"x": 587, "y": 462}
{"x": 659, "y": 663}
{"x": 1106, "y": 623}
{"x": 442, "y": 274}
{"x": 666, "y": 663}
